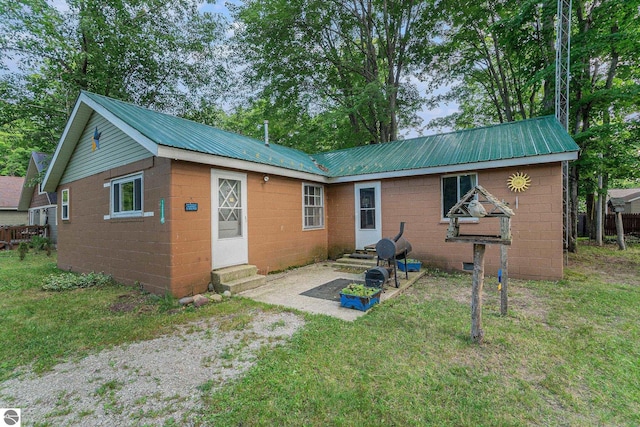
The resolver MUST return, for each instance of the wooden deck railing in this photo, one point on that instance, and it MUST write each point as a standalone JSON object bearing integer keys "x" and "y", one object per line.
{"x": 13, "y": 234}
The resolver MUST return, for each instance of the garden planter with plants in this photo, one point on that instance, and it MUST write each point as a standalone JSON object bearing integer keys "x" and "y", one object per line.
{"x": 359, "y": 296}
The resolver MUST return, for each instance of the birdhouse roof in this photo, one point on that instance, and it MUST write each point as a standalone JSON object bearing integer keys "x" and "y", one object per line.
{"x": 493, "y": 206}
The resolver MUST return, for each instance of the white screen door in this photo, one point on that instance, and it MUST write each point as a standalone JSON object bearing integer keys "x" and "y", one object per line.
{"x": 368, "y": 214}
{"x": 228, "y": 219}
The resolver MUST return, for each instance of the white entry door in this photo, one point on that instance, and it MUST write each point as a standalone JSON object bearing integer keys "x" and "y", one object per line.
{"x": 368, "y": 214}
{"x": 228, "y": 219}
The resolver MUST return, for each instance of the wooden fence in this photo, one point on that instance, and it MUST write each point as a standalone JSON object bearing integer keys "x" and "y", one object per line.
{"x": 14, "y": 234}
{"x": 630, "y": 223}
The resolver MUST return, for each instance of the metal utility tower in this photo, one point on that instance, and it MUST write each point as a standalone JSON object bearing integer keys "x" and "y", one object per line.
{"x": 563, "y": 58}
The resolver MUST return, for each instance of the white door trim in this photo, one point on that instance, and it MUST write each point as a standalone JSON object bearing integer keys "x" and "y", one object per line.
{"x": 228, "y": 251}
{"x": 369, "y": 236}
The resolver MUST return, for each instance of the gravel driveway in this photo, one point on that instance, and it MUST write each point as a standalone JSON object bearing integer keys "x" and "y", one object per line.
{"x": 146, "y": 383}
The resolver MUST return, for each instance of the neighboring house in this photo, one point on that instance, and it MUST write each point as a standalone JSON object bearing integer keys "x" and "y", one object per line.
{"x": 161, "y": 201}
{"x": 41, "y": 205}
{"x": 631, "y": 197}
{"x": 10, "y": 188}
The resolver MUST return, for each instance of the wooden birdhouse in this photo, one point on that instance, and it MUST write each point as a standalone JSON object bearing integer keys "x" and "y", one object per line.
{"x": 479, "y": 203}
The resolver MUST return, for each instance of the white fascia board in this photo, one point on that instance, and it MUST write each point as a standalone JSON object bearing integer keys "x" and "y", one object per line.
{"x": 134, "y": 134}
{"x": 213, "y": 160}
{"x": 71, "y": 135}
{"x": 521, "y": 161}
{"x": 77, "y": 120}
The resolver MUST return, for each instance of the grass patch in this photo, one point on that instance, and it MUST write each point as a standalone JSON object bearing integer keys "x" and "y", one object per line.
{"x": 41, "y": 328}
{"x": 566, "y": 354}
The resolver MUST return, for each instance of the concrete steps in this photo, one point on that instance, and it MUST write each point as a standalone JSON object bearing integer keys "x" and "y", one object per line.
{"x": 348, "y": 262}
{"x": 237, "y": 278}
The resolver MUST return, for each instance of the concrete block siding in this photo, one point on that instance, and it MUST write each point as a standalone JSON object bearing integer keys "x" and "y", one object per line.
{"x": 536, "y": 250}
{"x": 175, "y": 256}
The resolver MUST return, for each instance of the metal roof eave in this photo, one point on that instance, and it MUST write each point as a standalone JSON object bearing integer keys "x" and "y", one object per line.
{"x": 228, "y": 162}
{"x": 520, "y": 161}
{"x": 78, "y": 119}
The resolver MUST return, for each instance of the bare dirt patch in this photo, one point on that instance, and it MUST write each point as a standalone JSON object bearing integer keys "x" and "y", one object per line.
{"x": 132, "y": 301}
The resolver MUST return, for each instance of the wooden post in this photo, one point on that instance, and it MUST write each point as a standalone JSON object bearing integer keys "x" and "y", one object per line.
{"x": 620, "y": 231}
{"x": 477, "y": 334}
{"x": 504, "y": 266}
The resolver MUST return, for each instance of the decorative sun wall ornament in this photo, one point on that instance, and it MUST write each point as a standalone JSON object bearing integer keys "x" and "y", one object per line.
{"x": 519, "y": 182}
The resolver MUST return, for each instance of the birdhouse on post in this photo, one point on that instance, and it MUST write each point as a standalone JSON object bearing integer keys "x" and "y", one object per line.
{"x": 479, "y": 203}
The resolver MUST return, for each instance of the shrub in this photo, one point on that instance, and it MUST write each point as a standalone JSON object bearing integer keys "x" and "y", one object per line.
{"x": 23, "y": 248}
{"x": 40, "y": 243}
{"x": 69, "y": 281}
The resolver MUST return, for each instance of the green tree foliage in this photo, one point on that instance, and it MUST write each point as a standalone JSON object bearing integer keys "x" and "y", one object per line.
{"x": 500, "y": 59}
{"x": 155, "y": 53}
{"x": 342, "y": 64}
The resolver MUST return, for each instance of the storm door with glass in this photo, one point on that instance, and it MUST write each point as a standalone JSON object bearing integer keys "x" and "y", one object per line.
{"x": 368, "y": 214}
{"x": 229, "y": 218}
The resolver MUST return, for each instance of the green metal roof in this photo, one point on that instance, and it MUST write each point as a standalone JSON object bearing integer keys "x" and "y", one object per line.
{"x": 171, "y": 131}
{"x": 525, "y": 139}
{"x": 513, "y": 140}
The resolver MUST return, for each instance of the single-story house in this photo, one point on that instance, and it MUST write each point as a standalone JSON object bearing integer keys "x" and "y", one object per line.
{"x": 630, "y": 196}
{"x": 10, "y": 188}
{"x": 40, "y": 205}
{"x": 160, "y": 201}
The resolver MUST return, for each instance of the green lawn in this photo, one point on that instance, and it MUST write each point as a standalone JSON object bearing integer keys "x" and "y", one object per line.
{"x": 568, "y": 353}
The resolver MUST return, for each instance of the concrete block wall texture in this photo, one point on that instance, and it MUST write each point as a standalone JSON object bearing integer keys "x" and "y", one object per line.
{"x": 175, "y": 256}
{"x": 190, "y": 253}
{"x": 341, "y": 217}
{"x": 132, "y": 250}
{"x": 276, "y": 237}
{"x": 536, "y": 251}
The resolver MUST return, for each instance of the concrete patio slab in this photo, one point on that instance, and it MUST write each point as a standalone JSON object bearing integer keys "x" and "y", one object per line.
{"x": 285, "y": 288}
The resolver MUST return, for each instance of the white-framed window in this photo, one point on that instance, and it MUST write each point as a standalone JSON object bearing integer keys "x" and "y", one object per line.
{"x": 40, "y": 190}
{"x": 64, "y": 212}
{"x": 312, "y": 206}
{"x": 453, "y": 188}
{"x": 126, "y": 196}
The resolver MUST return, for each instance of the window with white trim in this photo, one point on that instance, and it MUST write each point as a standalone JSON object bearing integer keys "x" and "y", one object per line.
{"x": 64, "y": 212}
{"x": 126, "y": 196}
{"x": 312, "y": 206}
{"x": 453, "y": 188}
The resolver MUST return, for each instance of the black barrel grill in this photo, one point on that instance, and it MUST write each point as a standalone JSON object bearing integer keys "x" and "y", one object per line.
{"x": 389, "y": 250}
